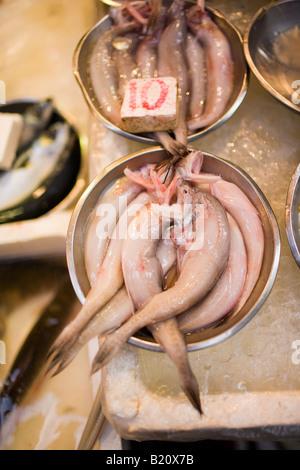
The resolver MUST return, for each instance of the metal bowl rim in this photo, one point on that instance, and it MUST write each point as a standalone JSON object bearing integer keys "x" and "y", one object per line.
{"x": 295, "y": 181}
{"x": 264, "y": 10}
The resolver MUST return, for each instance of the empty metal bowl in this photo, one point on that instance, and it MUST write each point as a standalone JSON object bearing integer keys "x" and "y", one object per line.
{"x": 81, "y": 70}
{"x": 293, "y": 215}
{"x": 231, "y": 324}
{"x": 272, "y": 49}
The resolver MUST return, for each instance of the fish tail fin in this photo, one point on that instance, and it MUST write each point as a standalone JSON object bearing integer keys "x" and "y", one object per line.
{"x": 171, "y": 145}
{"x": 190, "y": 387}
{"x": 107, "y": 350}
{"x": 62, "y": 365}
{"x": 62, "y": 357}
{"x": 61, "y": 342}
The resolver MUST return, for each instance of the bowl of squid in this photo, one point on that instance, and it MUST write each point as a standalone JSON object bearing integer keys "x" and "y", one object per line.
{"x": 87, "y": 72}
{"x": 212, "y": 327}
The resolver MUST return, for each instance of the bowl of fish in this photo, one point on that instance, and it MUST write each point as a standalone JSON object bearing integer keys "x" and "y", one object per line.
{"x": 272, "y": 45}
{"x": 45, "y": 159}
{"x": 145, "y": 41}
{"x": 156, "y": 250}
{"x": 293, "y": 215}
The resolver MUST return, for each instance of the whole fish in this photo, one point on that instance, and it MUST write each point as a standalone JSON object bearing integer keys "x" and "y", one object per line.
{"x": 243, "y": 211}
{"x": 197, "y": 76}
{"x": 103, "y": 73}
{"x": 219, "y": 67}
{"x": 172, "y": 62}
{"x": 35, "y": 120}
{"x": 108, "y": 281}
{"x": 143, "y": 279}
{"x": 31, "y": 358}
{"x": 34, "y": 166}
{"x": 227, "y": 291}
{"x": 200, "y": 269}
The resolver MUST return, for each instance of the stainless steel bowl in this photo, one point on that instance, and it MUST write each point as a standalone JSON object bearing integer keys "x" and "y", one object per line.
{"x": 81, "y": 70}
{"x": 231, "y": 324}
{"x": 292, "y": 215}
{"x": 271, "y": 47}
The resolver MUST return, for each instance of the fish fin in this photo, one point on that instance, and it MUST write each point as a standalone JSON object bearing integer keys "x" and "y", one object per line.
{"x": 107, "y": 350}
{"x": 63, "y": 357}
{"x": 60, "y": 368}
{"x": 61, "y": 344}
{"x": 191, "y": 390}
{"x": 55, "y": 360}
{"x": 170, "y": 144}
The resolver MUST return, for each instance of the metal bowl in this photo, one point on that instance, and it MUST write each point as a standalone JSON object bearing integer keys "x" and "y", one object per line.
{"x": 231, "y": 324}
{"x": 81, "y": 70}
{"x": 271, "y": 49}
{"x": 292, "y": 215}
{"x": 63, "y": 187}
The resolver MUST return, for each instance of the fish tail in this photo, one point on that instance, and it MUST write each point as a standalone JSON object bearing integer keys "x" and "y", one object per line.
{"x": 61, "y": 342}
{"x": 60, "y": 346}
{"x": 107, "y": 350}
{"x": 58, "y": 358}
{"x": 62, "y": 365}
{"x": 190, "y": 387}
{"x": 171, "y": 145}
{"x": 63, "y": 357}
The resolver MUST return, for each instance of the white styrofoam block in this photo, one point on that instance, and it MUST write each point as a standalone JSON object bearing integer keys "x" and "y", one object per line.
{"x": 150, "y": 105}
{"x": 11, "y": 126}
{"x": 36, "y": 238}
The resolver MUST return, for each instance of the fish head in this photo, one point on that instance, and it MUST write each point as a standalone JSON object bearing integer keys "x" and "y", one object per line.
{"x": 39, "y": 112}
{"x": 185, "y": 193}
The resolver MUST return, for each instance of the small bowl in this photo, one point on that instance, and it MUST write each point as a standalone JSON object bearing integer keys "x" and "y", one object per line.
{"x": 231, "y": 324}
{"x": 292, "y": 215}
{"x": 81, "y": 70}
{"x": 62, "y": 188}
{"x": 270, "y": 47}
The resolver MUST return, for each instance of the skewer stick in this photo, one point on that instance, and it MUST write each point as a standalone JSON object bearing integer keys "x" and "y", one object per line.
{"x": 94, "y": 425}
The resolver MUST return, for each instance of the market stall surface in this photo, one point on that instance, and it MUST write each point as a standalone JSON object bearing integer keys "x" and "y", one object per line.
{"x": 250, "y": 383}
